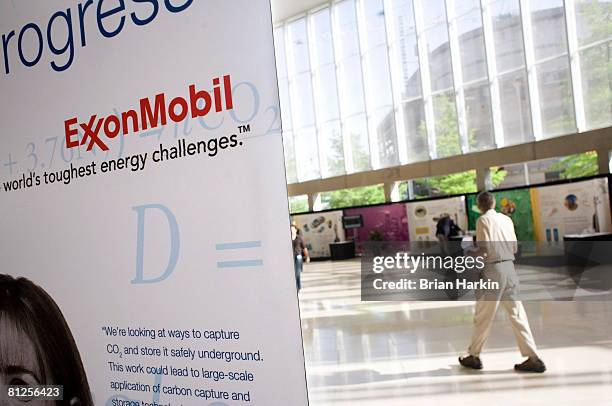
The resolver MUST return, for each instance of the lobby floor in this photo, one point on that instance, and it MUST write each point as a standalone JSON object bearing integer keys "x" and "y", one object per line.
{"x": 405, "y": 353}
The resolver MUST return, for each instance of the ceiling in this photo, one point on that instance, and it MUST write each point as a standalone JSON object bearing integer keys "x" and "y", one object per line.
{"x": 283, "y": 9}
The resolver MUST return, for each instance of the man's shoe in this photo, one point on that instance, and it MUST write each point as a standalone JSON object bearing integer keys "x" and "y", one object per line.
{"x": 531, "y": 365}
{"x": 471, "y": 362}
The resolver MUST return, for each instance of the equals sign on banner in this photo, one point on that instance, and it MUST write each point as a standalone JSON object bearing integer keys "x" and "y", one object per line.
{"x": 238, "y": 250}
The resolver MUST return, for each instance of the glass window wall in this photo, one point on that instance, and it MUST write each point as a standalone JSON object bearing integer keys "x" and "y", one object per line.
{"x": 369, "y": 84}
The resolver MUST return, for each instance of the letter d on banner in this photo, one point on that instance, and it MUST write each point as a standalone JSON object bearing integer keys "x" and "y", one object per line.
{"x": 174, "y": 243}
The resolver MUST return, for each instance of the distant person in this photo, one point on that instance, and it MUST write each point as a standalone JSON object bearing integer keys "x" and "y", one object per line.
{"x": 300, "y": 254}
{"x": 36, "y": 345}
{"x": 445, "y": 229}
{"x": 497, "y": 242}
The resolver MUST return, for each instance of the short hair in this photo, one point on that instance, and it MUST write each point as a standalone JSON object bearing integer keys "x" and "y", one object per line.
{"x": 34, "y": 313}
{"x": 486, "y": 200}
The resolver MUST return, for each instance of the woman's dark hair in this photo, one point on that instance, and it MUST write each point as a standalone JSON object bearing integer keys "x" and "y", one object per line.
{"x": 35, "y": 313}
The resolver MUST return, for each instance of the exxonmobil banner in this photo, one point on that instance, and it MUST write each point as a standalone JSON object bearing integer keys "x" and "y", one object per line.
{"x": 145, "y": 245}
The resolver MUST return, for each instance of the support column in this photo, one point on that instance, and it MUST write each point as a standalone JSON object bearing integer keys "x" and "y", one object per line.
{"x": 391, "y": 192}
{"x": 484, "y": 180}
{"x": 410, "y": 190}
{"x": 314, "y": 202}
{"x": 603, "y": 161}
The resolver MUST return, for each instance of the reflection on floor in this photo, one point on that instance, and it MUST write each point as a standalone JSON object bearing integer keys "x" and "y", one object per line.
{"x": 405, "y": 353}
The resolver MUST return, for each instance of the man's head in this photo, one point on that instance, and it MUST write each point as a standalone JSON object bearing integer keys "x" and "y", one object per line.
{"x": 485, "y": 201}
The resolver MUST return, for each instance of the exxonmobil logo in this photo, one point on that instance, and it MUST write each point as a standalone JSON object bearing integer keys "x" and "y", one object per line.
{"x": 151, "y": 113}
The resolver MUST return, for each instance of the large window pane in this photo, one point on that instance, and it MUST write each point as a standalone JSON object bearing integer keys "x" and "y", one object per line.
{"x": 510, "y": 176}
{"x": 382, "y": 124}
{"x": 285, "y": 105}
{"x": 379, "y": 100}
{"x": 440, "y": 65}
{"x": 283, "y": 88}
{"x": 515, "y": 110}
{"x": 553, "y": 76}
{"x": 596, "y": 64}
{"x": 350, "y": 77}
{"x": 330, "y": 137}
{"x": 465, "y": 7}
{"x": 508, "y": 33}
{"x": 548, "y": 25}
{"x": 381, "y": 115}
{"x": 290, "y": 163}
{"x": 302, "y": 100}
{"x": 279, "y": 50}
{"x": 447, "y": 133}
{"x": 455, "y": 183}
{"x": 476, "y": 96}
{"x": 360, "y": 196}
{"x": 406, "y": 55}
{"x": 322, "y": 44}
{"x": 326, "y": 94}
{"x": 306, "y": 153}
{"x": 478, "y": 116}
{"x": 298, "y": 204}
{"x": 556, "y": 101}
{"x": 356, "y": 130}
{"x": 298, "y": 42}
{"x": 346, "y": 29}
{"x": 435, "y": 36}
{"x": 351, "y": 87}
{"x": 566, "y": 167}
{"x": 593, "y": 20}
{"x": 407, "y": 80}
{"x": 373, "y": 31}
{"x": 434, "y": 13}
{"x": 594, "y": 23}
{"x": 416, "y": 133}
{"x": 472, "y": 46}
{"x": 378, "y": 81}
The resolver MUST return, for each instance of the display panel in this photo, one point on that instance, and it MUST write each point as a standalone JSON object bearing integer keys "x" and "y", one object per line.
{"x": 573, "y": 208}
{"x": 146, "y": 257}
{"x": 516, "y": 204}
{"x": 423, "y": 216}
{"x": 380, "y": 223}
{"x": 318, "y": 230}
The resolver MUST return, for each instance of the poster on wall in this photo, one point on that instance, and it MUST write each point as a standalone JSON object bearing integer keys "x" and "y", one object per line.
{"x": 380, "y": 223}
{"x": 516, "y": 204}
{"x": 318, "y": 230}
{"x": 146, "y": 247}
{"x": 423, "y": 216}
{"x": 573, "y": 208}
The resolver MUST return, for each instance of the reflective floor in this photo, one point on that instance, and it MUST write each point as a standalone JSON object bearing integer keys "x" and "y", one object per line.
{"x": 405, "y": 353}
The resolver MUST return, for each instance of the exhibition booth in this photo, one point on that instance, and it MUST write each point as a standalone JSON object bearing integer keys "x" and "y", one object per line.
{"x": 545, "y": 213}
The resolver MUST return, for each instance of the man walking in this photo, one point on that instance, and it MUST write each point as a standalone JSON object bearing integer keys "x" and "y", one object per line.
{"x": 497, "y": 242}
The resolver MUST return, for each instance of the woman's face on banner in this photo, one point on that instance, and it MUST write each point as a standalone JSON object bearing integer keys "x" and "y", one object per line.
{"x": 18, "y": 364}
